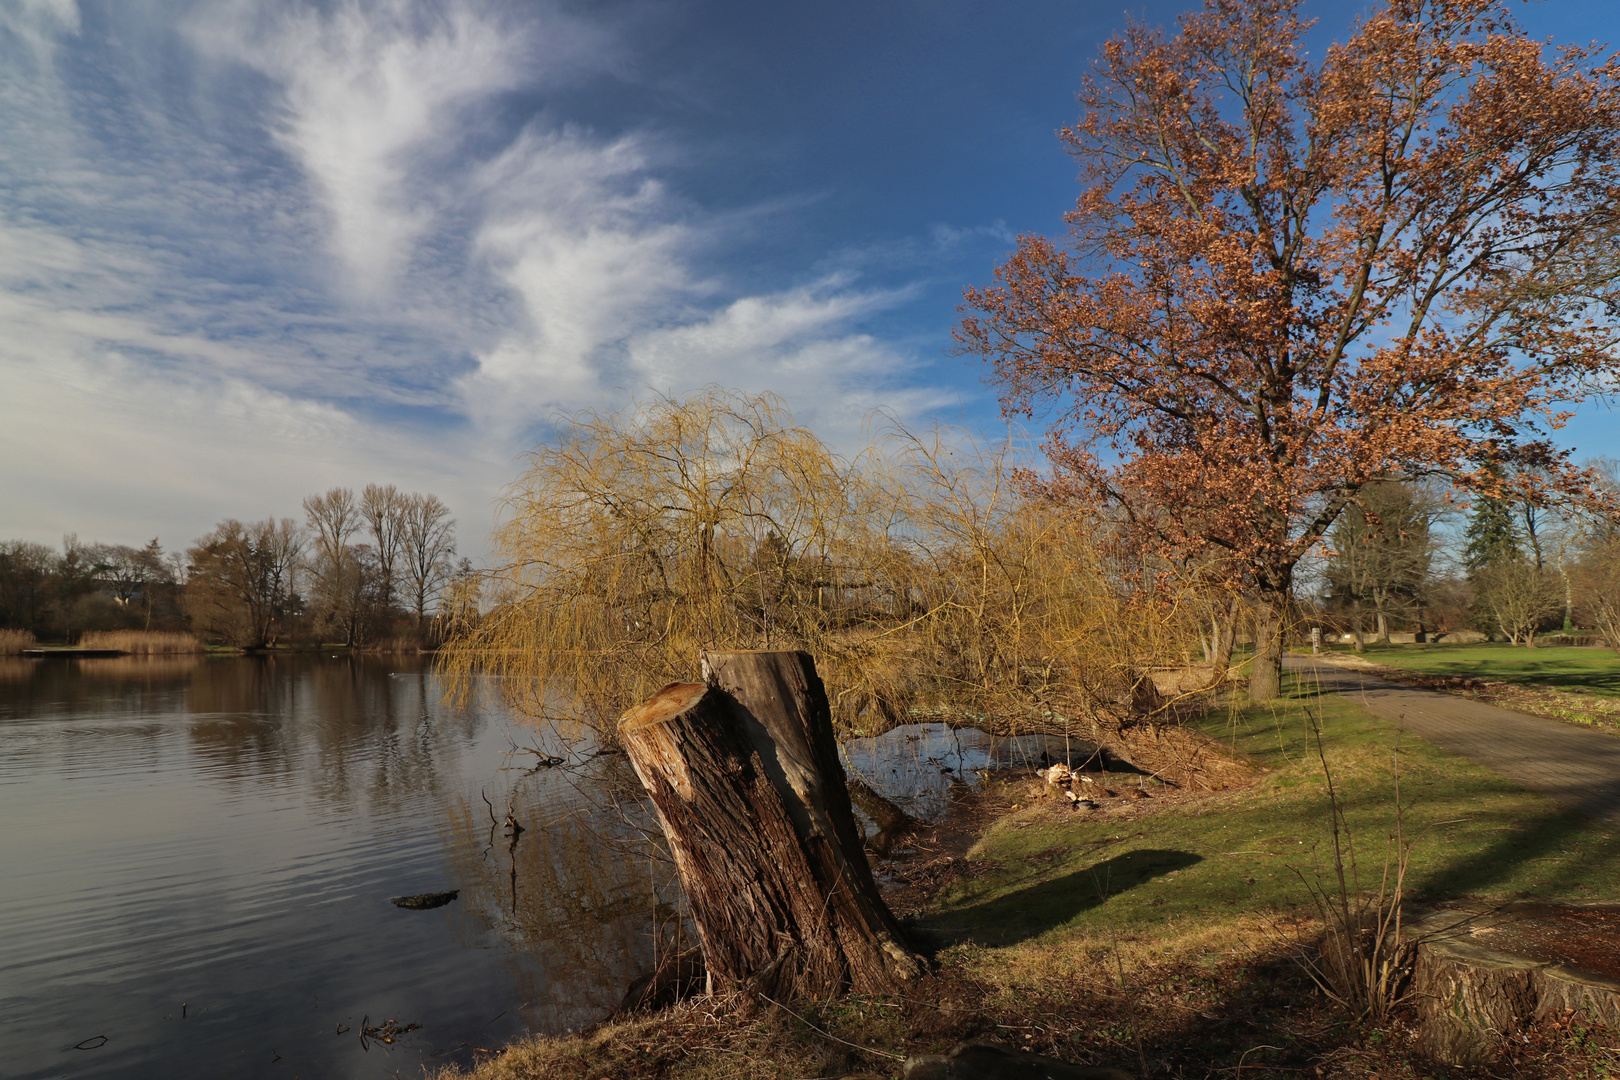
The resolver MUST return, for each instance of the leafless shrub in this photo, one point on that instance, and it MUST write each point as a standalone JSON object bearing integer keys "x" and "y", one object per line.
{"x": 1519, "y": 597}
{"x": 1362, "y": 963}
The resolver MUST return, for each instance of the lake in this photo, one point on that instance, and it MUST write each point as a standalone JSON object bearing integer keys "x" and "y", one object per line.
{"x": 197, "y": 857}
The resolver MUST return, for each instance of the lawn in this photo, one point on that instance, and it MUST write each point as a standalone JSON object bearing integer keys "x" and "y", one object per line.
{"x": 1579, "y": 671}
{"x": 1240, "y": 854}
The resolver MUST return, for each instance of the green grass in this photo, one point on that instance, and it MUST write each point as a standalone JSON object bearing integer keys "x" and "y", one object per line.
{"x": 1581, "y": 671}
{"x": 1240, "y": 854}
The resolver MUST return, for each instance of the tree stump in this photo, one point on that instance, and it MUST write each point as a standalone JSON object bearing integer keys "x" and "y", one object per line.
{"x": 744, "y": 774}
{"x": 1481, "y": 976}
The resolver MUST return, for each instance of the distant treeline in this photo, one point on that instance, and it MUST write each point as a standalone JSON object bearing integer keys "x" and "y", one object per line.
{"x": 362, "y": 571}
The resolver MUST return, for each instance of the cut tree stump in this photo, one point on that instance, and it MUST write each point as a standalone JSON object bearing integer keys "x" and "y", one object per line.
{"x": 743, "y": 771}
{"x": 1483, "y": 974}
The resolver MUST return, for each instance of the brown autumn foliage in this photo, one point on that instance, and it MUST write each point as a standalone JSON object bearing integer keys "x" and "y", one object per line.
{"x": 1289, "y": 278}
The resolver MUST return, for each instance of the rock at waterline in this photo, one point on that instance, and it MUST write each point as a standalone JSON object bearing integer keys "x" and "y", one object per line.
{"x": 989, "y": 1061}
{"x": 424, "y": 901}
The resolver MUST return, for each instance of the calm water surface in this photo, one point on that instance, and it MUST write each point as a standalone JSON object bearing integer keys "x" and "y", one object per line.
{"x": 225, "y": 835}
{"x": 197, "y": 856}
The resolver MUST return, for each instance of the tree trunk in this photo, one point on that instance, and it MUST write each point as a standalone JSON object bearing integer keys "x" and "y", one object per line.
{"x": 1225, "y": 635}
{"x": 1265, "y": 673}
{"x": 745, "y": 776}
{"x": 1473, "y": 999}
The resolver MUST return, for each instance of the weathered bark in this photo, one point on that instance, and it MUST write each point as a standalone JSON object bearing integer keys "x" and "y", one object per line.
{"x": 1471, "y": 999}
{"x": 745, "y": 776}
{"x": 1468, "y": 1004}
{"x": 1224, "y": 636}
{"x": 1265, "y": 671}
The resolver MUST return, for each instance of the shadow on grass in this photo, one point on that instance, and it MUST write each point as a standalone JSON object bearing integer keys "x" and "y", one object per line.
{"x": 1593, "y": 671}
{"x": 1606, "y": 683}
{"x": 1540, "y": 839}
{"x": 1029, "y": 912}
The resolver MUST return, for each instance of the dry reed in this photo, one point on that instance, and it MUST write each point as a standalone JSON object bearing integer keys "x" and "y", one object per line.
{"x": 140, "y": 642}
{"x": 398, "y": 643}
{"x": 13, "y": 642}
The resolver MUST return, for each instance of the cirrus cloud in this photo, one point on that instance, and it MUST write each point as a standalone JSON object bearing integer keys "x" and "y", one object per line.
{"x": 255, "y": 248}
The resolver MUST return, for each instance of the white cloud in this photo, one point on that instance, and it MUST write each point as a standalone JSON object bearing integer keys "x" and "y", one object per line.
{"x": 101, "y": 444}
{"x": 118, "y": 427}
{"x": 39, "y": 21}
{"x": 372, "y": 91}
{"x": 216, "y": 305}
{"x": 797, "y": 344}
{"x": 587, "y": 241}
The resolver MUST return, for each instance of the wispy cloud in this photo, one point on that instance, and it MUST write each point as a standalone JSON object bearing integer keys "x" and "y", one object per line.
{"x": 797, "y": 343}
{"x": 372, "y": 97}
{"x": 38, "y": 22}
{"x": 271, "y": 244}
{"x": 593, "y": 249}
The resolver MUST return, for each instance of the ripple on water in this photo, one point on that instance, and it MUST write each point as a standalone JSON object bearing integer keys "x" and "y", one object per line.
{"x": 226, "y": 834}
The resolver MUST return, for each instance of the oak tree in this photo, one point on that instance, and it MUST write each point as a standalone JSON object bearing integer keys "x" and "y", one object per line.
{"x": 1291, "y": 277}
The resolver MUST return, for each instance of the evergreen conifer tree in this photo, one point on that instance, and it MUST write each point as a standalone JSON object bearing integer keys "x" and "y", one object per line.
{"x": 1493, "y": 535}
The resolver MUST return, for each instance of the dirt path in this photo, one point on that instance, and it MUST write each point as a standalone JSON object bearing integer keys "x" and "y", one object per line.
{"x": 1580, "y": 769}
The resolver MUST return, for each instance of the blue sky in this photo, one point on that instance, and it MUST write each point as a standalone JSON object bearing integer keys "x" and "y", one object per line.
{"x": 251, "y": 249}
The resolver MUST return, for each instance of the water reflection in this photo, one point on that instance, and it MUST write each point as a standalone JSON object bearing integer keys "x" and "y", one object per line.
{"x": 579, "y": 892}
{"x": 227, "y": 833}
{"x": 115, "y": 685}
{"x": 916, "y": 766}
{"x": 357, "y": 731}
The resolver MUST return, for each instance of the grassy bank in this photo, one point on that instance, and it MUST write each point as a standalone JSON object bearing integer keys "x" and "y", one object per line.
{"x": 1153, "y": 933}
{"x": 1578, "y": 685}
{"x": 1571, "y": 670}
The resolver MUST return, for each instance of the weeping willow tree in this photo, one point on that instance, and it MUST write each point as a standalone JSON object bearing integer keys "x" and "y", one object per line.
{"x": 1028, "y": 612}
{"x": 917, "y": 574}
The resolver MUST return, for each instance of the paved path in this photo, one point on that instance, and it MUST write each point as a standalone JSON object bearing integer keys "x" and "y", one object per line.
{"x": 1579, "y": 768}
